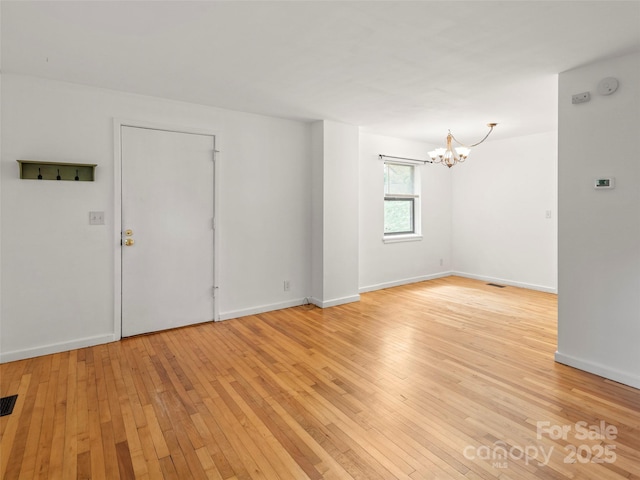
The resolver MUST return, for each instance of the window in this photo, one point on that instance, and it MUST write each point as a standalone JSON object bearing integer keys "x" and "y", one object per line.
{"x": 401, "y": 200}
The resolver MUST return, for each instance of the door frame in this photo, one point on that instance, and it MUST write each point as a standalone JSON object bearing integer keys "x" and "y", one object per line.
{"x": 118, "y": 123}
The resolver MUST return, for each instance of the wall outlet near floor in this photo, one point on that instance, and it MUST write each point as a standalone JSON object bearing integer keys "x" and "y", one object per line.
{"x": 286, "y": 285}
{"x": 441, "y": 261}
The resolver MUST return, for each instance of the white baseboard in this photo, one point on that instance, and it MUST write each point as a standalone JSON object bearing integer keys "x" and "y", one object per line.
{"x": 56, "y": 348}
{"x": 598, "y": 369}
{"x": 502, "y": 281}
{"x": 335, "y": 302}
{"x": 261, "y": 309}
{"x": 405, "y": 281}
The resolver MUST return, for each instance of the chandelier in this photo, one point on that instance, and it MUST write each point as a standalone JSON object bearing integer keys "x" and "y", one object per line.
{"x": 450, "y": 156}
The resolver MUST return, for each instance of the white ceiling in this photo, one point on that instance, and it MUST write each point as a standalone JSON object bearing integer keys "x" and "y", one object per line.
{"x": 406, "y": 69}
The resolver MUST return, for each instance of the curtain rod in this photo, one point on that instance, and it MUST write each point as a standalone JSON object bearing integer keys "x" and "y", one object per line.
{"x": 382, "y": 157}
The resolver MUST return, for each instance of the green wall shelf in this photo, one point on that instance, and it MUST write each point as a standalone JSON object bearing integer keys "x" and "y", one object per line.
{"x": 35, "y": 170}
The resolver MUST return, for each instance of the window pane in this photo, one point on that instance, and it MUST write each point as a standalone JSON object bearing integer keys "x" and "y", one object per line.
{"x": 398, "y": 216}
{"x": 398, "y": 179}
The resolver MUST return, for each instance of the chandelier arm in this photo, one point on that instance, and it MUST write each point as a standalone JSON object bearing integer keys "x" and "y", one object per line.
{"x": 491, "y": 126}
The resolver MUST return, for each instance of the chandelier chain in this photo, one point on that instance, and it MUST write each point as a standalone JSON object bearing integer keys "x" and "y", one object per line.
{"x": 490, "y": 125}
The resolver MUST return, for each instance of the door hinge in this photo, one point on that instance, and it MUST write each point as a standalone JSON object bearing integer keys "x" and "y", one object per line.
{"x": 213, "y": 291}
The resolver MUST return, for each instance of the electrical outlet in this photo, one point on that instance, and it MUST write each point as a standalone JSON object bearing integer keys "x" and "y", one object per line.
{"x": 96, "y": 218}
{"x": 441, "y": 261}
{"x": 286, "y": 285}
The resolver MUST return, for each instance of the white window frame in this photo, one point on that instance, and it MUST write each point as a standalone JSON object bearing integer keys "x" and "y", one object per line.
{"x": 416, "y": 235}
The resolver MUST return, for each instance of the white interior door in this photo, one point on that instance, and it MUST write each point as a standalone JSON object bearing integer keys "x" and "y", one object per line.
{"x": 167, "y": 204}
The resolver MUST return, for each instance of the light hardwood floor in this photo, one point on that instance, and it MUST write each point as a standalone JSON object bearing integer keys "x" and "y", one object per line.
{"x": 441, "y": 379}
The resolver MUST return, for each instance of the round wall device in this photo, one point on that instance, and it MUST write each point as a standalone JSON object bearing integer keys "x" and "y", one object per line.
{"x": 607, "y": 86}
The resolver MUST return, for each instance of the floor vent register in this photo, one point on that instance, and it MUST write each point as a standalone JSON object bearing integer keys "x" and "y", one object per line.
{"x": 7, "y": 404}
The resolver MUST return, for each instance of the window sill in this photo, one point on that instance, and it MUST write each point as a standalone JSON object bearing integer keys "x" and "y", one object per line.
{"x": 401, "y": 238}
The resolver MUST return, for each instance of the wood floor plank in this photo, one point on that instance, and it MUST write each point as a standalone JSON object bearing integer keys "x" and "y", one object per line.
{"x": 51, "y": 442}
{"x": 97, "y": 459}
{"x": 83, "y": 466}
{"x": 125, "y": 465}
{"x": 227, "y": 459}
{"x": 444, "y": 379}
{"x": 57, "y": 457}
{"x": 35, "y": 427}
{"x": 83, "y": 437}
{"x": 149, "y": 453}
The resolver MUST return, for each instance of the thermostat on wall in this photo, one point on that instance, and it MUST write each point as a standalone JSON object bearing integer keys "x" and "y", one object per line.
{"x": 604, "y": 183}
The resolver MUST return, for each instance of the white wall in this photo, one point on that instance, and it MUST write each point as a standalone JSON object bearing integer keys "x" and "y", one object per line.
{"x": 501, "y": 195}
{"x": 340, "y": 230}
{"x": 58, "y": 272}
{"x": 335, "y": 212}
{"x": 599, "y": 235}
{"x": 388, "y": 264}
{"x": 276, "y": 208}
{"x": 0, "y": 188}
{"x": 317, "y": 211}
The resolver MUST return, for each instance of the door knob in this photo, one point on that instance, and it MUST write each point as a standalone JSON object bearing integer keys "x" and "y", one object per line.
{"x": 129, "y": 241}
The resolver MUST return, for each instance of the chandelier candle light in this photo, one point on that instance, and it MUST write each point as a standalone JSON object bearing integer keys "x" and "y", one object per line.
{"x": 449, "y": 156}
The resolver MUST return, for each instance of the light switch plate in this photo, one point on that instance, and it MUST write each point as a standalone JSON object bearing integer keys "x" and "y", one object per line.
{"x": 96, "y": 218}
